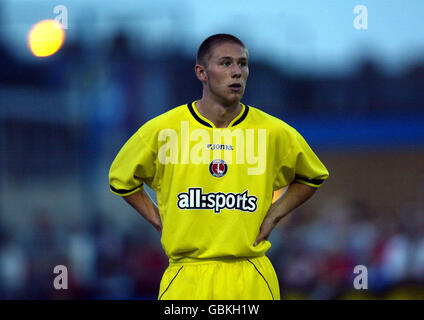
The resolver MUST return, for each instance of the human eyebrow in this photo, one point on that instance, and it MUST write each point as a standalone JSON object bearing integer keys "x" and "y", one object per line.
{"x": 225, "y": 58}
{"x": 242, "y": 59}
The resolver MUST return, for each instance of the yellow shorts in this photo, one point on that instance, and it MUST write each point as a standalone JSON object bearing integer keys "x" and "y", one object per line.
{"x": 220, "y": 279}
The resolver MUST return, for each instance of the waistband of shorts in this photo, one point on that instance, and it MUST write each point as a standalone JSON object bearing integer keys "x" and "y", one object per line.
{"x": 189, "y": 261}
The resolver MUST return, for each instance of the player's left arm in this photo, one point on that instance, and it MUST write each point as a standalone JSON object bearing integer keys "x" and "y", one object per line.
{"x": 296, "y": 194}
{"x": 306, "y": 173}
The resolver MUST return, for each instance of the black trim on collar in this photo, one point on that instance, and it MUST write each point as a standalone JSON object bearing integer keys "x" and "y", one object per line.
{"x": 194, "y": 114}
{"x": 246, "y": 111}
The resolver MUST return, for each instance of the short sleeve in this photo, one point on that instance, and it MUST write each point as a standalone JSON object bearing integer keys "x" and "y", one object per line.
{"x": 133, "y": 166}
{"x": 309, "y": 169}
{"x": 299, "y": 164}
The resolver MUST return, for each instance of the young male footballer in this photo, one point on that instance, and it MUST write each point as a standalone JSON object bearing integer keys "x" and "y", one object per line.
{"x": 214, "y": 164}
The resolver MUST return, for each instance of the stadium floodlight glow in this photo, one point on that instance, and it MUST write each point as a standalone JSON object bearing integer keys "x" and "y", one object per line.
{"x": 46, "y": 38}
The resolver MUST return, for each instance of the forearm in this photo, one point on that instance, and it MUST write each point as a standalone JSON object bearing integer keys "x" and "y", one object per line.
{"x": 296, "y": 194}
{"x": 142, "y": 203}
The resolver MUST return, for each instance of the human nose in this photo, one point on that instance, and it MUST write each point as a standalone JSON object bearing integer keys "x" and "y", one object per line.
{"x": 236, "y": 72}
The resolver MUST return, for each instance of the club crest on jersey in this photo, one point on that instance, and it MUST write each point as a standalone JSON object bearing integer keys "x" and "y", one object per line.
{"x": 218, "y": 168}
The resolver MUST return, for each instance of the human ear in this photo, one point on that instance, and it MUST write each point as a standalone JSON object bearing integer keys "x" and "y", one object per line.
{"x": 200, "y": 72}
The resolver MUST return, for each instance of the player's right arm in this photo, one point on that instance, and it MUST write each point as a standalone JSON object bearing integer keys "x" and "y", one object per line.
{"x": 135, "y": 165}
{"x": 142, "y": 203}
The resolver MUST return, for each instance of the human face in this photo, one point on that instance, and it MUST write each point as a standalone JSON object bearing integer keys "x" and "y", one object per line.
{"x": 227, "y": 72}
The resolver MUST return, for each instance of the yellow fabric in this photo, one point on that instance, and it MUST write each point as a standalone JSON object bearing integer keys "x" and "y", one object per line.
{"x": 205, "y": 216}
{"x": 220, "y": 279}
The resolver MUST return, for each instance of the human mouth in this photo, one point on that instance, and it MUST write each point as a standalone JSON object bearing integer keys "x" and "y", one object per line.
{"x": 235, "y": 86}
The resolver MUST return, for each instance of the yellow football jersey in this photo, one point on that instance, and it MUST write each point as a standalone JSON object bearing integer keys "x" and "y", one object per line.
{"x": 214, "y": 186}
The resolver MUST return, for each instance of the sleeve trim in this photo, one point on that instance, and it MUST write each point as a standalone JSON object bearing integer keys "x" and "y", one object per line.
{"x": 315, "y": 182}
{"x": 124, "y": 192}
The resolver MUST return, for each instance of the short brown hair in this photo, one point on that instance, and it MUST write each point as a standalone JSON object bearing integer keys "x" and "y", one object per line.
{"x": 205, "y": 49}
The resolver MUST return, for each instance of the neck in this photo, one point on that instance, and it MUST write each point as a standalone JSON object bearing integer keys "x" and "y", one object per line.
{"x": 219, "y": 113}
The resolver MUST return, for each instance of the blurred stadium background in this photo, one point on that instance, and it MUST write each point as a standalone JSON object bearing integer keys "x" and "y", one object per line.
{"x": 357, "y": 96}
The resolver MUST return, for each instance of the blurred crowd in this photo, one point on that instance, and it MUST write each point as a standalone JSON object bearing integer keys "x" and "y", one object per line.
{"x": 314, "y": 254}
{"x": 102, "y": 261}
{"x": 317, "y": 251}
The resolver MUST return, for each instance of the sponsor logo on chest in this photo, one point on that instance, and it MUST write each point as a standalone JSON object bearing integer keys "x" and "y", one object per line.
{"x": 195, "y": 199}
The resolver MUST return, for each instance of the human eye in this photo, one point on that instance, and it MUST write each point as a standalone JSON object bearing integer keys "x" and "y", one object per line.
{"x": 226, "y": 63}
